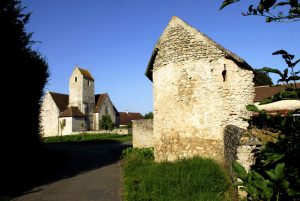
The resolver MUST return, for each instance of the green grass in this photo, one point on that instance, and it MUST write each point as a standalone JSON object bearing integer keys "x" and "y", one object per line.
{"x": 185, "y": 180}
{"x": 87, "y": 137}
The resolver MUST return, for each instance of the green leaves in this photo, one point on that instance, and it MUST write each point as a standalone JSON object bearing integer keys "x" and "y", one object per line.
{"x": 276, "y": 174}
{"x": 266, "y": 4}
{"x": 252, "y": 108}
{"x": 263, "y": 9}
{"x": 281, "y": 4}
{"x": 272, "y": 158}
{"x": 106, "y": 123}
{"x": 296, "y": 62}
{"x": 240, "y": 171}
{"x": 227, "y": 2}
{"x": 272, "y": 70}
{"x": 284, "y": 77}
{"x": 279, "y": 52}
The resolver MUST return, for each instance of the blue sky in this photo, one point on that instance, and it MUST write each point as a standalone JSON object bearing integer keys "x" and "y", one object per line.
{"x": 114, "y": 39}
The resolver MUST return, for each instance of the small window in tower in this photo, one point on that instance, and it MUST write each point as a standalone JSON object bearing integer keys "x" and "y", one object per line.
{"x": 89, "y": 82}
{"x": 75, "y": 79}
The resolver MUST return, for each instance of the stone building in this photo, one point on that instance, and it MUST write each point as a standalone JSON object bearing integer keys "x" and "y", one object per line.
{"x": 81, "y": 110}
{"x": 199, "y": 87}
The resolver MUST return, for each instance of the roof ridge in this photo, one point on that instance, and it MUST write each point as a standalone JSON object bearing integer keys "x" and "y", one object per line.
{"x": 86, "y": 73}
{"x": 57, "y": 93}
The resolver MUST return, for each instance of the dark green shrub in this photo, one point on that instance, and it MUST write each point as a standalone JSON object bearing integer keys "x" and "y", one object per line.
{"x": 106, "y": 123}
{"x": 146, "y": 153}
{"x": 276, "y": 173}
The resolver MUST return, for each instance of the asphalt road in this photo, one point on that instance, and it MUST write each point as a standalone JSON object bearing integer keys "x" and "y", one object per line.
{"x": 89, "y": 172}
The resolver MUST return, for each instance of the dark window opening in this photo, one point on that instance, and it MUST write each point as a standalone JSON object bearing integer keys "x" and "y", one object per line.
{"x": 75, "y": 79}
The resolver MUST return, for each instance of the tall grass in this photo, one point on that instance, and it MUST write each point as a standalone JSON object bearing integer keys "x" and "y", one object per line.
{"x": 185, "y": 180}
{"x": 87, "y": 137}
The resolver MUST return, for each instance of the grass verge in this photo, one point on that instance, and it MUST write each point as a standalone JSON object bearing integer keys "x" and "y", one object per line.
{"x": 87, "y": 137}
{"x": 185, "y": 180}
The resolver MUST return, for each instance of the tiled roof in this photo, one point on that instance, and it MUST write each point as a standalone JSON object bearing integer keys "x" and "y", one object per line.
{"x": 267, "y": 91}
{"x": 86, "y": 73}
{"x": 126, "y": 118}
{"x": 61, "y": 100}
{"x": 71, "y": 112}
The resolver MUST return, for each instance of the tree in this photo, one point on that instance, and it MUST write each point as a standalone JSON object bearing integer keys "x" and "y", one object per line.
{"x": 290, "y": 12}
{"x": 26, "y": 73}
{"x": 149, "y": 115}
{"x": 261, "y": 78}
{"x": 106, "y": 123}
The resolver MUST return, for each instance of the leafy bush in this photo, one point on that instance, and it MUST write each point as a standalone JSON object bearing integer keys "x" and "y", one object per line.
{"x": 276, "y": 173}
{"x": 286, "y": 94}
{"x": 106, "y": 123}
{"x": 146, "y": 153}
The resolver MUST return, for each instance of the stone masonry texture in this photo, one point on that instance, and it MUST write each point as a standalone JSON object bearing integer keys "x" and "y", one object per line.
{"x": 142, "y": 131}
{"x": 192, "y": 101}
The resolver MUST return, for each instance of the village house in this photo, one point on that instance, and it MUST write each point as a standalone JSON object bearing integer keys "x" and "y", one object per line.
{"x": 279, "y": 107}
{"x": 199, "y": 87}
{"x": 81, "y": 110}
{"x": 126, "y": 118}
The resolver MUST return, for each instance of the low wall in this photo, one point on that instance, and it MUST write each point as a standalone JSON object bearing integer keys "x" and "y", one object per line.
{"x": 238, "y": 145}
{"x": 142, "y": 133}
{"x": 119, "y": 131}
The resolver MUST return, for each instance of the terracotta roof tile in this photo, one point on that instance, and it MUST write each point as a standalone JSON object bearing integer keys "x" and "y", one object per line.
{"x": 267, "y": 91}
{"x": 86, "y": 73}
{"x": 71, "y": 112}
{"x": 126, "y": 118}
{"x": 61, "y": 100}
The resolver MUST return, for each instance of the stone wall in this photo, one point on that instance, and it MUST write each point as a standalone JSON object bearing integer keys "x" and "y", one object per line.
{"x": 192, "y": 102}
{"x": 119, "y": 131}
{"x": 239, "y": 144}
{"x": 72, "y": 124}
{"x": 79, "y": 124}
{"x": 142, "y": 133}
{"x": 67, "y": 129}
{"x": 49, "y": 117}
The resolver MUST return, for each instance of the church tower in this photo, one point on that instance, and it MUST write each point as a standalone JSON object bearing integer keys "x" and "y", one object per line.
{"x": 82, "y": 95}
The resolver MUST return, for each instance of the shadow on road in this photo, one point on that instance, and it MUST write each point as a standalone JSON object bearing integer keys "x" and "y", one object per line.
{"x": 64, "y": 160}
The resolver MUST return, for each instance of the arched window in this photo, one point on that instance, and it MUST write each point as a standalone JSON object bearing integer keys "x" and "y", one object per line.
{"x": 75, "y": 78}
